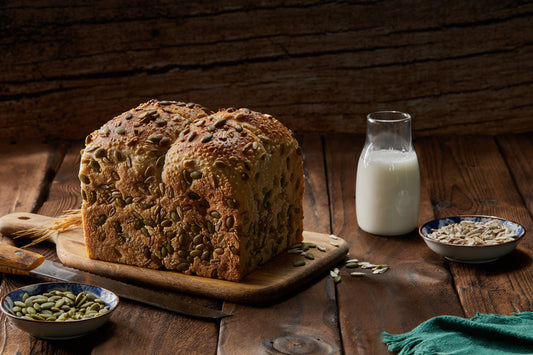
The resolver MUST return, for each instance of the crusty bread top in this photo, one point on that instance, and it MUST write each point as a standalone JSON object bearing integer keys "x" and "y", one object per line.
{"x": 150, "y": 125}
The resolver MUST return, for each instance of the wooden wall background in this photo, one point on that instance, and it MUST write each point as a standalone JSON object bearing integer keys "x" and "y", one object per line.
{"x": 67, "y": 66}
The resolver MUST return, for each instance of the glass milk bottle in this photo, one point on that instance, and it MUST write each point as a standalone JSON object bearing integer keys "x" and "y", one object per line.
{"x": 388, "y": 179}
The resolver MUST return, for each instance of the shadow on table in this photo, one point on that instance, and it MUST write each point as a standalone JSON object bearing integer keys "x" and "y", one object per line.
{"x": 514, "y": 261}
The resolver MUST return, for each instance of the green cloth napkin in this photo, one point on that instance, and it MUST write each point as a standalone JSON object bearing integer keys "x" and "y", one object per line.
{"x": 484, "y": 334}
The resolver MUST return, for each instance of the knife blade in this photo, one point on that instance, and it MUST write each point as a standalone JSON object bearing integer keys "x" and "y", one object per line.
{"x": 14, "y": 260}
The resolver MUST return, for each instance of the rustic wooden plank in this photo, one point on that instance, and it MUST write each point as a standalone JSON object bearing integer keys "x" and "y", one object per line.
{"x": 417, "y": 286}
{"x": 468, "y": 175}
{"x": 306, "y": 322}
{"x": 27, "y": 169}
{"x": 517, "y": 151}
{"x": 317, "y": 66}
{"x": 24, "y": 181}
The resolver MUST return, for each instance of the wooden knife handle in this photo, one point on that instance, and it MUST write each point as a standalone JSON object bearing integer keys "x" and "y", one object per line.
{"x": 14, "y": 260}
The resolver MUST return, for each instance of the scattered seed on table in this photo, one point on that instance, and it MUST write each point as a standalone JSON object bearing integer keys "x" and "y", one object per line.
{"x": 309, "y": 256}
{"x": 359, "y": 274}
{"x": 299, "y": 263}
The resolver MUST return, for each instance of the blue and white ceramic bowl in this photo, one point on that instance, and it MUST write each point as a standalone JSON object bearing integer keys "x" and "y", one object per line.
{"x": 468, "y": 253}
{"x": 55, "y": 330}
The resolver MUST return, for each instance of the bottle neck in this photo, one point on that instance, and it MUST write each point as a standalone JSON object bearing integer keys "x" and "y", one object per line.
{"x": 389, "y": 130}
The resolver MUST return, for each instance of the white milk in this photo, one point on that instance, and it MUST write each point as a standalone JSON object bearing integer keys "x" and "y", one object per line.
{"x": 388, "y": 192}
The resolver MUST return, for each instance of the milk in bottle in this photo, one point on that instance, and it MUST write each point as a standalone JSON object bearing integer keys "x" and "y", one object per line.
{"x": 388, "y": 179}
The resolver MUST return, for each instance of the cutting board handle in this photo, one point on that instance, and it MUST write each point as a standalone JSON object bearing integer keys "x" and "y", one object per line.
{"x": 21, "y": 221}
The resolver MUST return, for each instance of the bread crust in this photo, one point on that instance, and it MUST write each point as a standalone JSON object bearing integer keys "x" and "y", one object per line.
{"x": 177, "y": 186}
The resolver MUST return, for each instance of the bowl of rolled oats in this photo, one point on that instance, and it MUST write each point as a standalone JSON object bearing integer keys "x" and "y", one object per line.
{"x": 472, "y": 239}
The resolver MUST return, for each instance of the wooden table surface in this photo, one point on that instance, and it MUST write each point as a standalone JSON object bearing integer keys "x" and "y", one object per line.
{"x": 488, "y": 175}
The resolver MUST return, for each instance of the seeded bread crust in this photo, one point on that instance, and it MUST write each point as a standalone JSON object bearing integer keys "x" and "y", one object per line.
{"x": 176, "y": 186}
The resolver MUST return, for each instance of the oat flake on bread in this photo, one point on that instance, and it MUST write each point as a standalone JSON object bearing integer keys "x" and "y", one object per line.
{"x": 177, "y": 186}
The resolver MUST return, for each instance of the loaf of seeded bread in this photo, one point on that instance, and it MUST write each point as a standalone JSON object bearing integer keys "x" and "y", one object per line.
{"x": 176, "y": 186}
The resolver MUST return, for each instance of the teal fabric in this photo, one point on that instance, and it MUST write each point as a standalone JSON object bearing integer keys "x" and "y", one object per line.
{"x": 484, "y": 334}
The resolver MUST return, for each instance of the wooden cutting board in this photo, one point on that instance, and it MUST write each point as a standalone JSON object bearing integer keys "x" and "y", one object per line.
{"x": 271, "y": 282}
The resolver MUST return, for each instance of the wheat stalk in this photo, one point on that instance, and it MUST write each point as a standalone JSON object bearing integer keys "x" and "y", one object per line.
{"x": 71, "y": 219}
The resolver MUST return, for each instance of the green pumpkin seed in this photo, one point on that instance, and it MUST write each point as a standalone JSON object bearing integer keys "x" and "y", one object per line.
{"x": 182, "y": 239}
{"x": 219, "y": 164}
{"x": 156, "y": 259}
{"x": 145, "y": 232}
{"x": 101, "y": 220}
{"x": 299, "y": 263}
{"x": 207, "y": 138}
{"x": 170, "y": 234}
{"x": 220, "y": 122}
{"x": 120, "y": 130}
{"x": 197, "y": 239}
{"x": 170, "y": 249}
{"x": 155, "y": 138}
{"x": 215, "y": 214}
{"x": 118, "y": 227}
{"x": 206, "y": 255}
{"x": 210, "y": 227}
{"x": 182, "y": 267}
{"x": 99, "y": 153}
{"x": 195, "y": 228}
{"x": 195, "y": 253}
{"x": 84, "y": 179}
{"x": 160, "y": 162}
{"x": 230, "y": 221}
{"x": 118, "y": 156}
{"x": 231, "y": 203}
{"x": 174, "y": 216}
{"x": 352, "y": 265}
{"x": 139, "y": 224}
{"x": 149, "y": 222}
{"x": 196, "y": 174}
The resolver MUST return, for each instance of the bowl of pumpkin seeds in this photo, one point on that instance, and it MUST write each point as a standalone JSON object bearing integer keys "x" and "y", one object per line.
{"x": 59, "y": 310}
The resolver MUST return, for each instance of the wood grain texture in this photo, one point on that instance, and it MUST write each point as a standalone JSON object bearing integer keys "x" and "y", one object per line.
{"x": 307, "y": 322}
{"x": 517, "y": 150}
{"x": 467, "y": 175}
{"x": 418, "y": 285}
{"x": 457, "y": 66}
{"x": 24, "y": 183}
